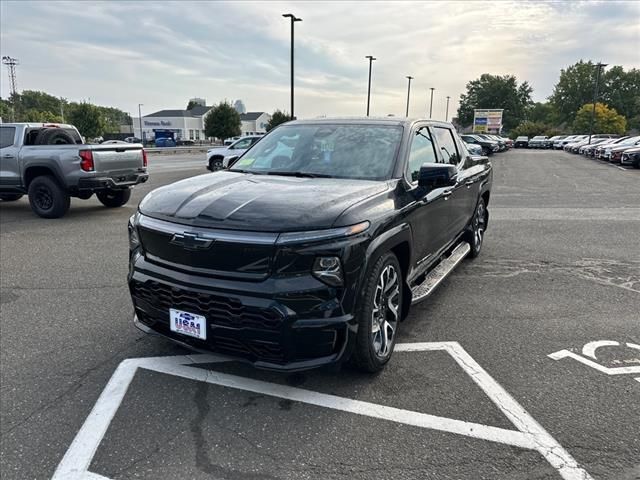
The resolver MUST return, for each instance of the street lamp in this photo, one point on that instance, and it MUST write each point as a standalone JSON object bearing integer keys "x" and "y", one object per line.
{"x": 408, "y": 92}
{"x": 140, "y": 119}
{"x": 599, "y": 66}
{"x": 431, "y": 102}
{"x": 446, "y": 115}
{"x": 371, "y": 59}
{"x": 293, "y": 20}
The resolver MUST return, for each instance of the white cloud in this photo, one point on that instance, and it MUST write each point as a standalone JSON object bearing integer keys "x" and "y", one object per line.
{"x": 162, "y": 53}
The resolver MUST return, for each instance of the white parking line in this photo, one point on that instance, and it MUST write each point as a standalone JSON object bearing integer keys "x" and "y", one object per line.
{"x": 530, "y": 435}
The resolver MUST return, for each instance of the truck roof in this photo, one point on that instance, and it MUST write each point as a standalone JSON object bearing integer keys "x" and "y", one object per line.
{"x": 37, "y": 125}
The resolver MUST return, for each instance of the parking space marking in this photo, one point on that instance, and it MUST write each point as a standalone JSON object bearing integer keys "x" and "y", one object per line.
{"x": 529, "y": 434}
{"x": 590, "y": 350}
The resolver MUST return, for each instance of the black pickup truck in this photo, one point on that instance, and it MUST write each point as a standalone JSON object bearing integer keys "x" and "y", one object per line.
{"x": 311, "y": 248}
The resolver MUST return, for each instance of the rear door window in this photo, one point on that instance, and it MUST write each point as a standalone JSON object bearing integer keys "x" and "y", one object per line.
{"x": 7, "y": 136}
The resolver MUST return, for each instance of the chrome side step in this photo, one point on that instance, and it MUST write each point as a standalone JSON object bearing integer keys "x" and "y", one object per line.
{"x": 439, "y": 273}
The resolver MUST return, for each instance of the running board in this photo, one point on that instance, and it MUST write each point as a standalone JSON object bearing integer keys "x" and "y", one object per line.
{"x": 439, "y": 273}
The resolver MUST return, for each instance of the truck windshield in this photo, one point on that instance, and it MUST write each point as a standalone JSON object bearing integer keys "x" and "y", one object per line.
{"x": 325, "y": 150}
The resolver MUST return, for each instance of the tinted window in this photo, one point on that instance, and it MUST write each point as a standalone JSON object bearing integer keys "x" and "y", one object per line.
{"x": 422, "y": 151}
{"x": 447, "y": 144}
{"x": 7, "y": 134}
{"x": 242, "y": 144}
{"x": 334, "y": 150}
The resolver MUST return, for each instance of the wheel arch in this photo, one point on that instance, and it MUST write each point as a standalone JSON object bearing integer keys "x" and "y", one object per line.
{"x": 32, "y": 171}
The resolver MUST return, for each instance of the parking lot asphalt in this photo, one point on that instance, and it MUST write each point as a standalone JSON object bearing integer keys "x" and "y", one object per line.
{"x": 560, "y": 269}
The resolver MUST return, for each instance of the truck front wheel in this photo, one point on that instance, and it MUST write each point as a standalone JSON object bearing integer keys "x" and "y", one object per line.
{"x": 114, "y": 198}
{"x": 379, "y": 314}
{"x": 47, "y": 198}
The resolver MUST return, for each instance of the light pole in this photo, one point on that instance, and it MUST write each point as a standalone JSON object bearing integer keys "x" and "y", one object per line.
{"x": 140, "y": 118}
{"x": 446, "y": 115}
{"x": 599, "y": 66}
{"x": 371, "y": 59}
{"x": 408, "y": 92}
{"x": 294, "y": 19}
{"x": 431, "y": 102}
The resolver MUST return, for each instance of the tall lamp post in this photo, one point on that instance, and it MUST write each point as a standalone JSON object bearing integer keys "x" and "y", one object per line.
{"x": 446, "y": 115}
{"x": 371, "y": 59}
{"x": 140, "y": 119}
{"x": 408, "y": 92}
{"x": 431, "y": 102}
{"x": 599, "y": 66}
{"x": 294, "y": 19}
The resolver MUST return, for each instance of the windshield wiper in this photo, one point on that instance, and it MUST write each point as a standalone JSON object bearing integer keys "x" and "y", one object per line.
{"x": 300, "y": 174}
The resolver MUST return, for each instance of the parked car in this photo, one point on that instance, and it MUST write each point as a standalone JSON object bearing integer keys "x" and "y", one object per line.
{"x": 631, "y": 157}
{"x": 165, "y": 142}
{"x": 489, "y": 147}
{"x": 548, "y": 143}
{"x": 566, "y": 140}
{"x": 599, "y": 151}
{"x": 585, "y": 145}
{"x": 538, "y": 141}
{"x": 218, "y": 157}
{"x": 501, "y": 143}
{"x": 473, "y": 149}
{"x": 590, "y": 150}
{"x": 132, "y": 140}
{"x": 507, "y": 141}
{"x": 578, "y": 139}
{"x": 51, "y": 164}
{"x": 521, "y": 142}
{"x": 616, "y": 151}
{"x": 295, "y": 261}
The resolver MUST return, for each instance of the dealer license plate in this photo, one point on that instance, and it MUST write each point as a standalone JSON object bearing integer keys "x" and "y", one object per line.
{"x": 188, "y": 324}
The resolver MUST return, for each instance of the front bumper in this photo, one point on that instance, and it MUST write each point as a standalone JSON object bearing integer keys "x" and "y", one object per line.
{"x": 300, "y": 327}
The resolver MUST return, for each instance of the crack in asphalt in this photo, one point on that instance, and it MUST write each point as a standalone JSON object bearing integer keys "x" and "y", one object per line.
{"x": 615, "y": 273}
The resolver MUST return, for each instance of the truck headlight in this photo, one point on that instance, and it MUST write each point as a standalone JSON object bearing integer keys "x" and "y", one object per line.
{"x": 328, "y": 270}
{"x": 134, "y": 239}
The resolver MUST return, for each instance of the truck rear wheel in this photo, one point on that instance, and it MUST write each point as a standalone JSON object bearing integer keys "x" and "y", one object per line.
{"x": 114, "y": 198}
{"x": 379, "y": 314}
{"x": 47, "y": 198}
{"x": 10, "y": 197}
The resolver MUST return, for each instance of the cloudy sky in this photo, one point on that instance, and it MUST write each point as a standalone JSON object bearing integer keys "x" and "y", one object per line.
{"x": 161, "y": 53}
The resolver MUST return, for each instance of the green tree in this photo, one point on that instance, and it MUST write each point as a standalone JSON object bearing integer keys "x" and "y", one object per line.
{"x": 277, "y": 118}
{"x": 607, "y": 120}
{"x": 542, "y": 113}
{"x": 191, "y": 104}
{"x": 621, "y": 91}
{"x": 33, "y": 115}
{"x": 575, "y": 87}
{"x": 222, "y": 122}
{"x": 495, "y": 91}
{"x": 87, "y": 119}
{"x": 41, "y": 101}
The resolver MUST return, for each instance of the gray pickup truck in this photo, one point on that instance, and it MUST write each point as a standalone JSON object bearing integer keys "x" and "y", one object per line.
{"x": 51, "y": 163}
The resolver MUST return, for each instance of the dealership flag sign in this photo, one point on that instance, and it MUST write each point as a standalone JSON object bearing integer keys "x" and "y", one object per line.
{"x": 487, "y": 120}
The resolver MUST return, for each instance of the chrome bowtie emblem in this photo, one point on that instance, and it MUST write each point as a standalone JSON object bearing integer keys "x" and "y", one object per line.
{"x": 191, "y": 241}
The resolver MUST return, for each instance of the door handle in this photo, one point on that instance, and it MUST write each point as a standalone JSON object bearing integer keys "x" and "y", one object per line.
{"x": 447, "y": 193}
{"x": 7, "y": 155}
{"x": 468, "y": 183}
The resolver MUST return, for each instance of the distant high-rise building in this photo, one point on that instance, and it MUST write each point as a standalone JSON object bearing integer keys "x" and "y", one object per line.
{"x": 239, "y": 106}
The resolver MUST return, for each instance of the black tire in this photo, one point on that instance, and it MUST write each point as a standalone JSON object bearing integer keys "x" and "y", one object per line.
{"x": 216, "y": 163}
{"x": 370, "y": 354}
{"x": 477, "y": 228}
{"x": 114, "y": 198}
{"x": 47, "y": 198}
{"x": 54, "y": 136}
{"x": 10, "y": 197}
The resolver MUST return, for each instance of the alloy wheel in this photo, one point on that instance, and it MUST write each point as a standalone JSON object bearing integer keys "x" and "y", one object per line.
{"x": 479, "y": 225}
{"x": 43, "y": 198}
{"x": 385, "y": 313}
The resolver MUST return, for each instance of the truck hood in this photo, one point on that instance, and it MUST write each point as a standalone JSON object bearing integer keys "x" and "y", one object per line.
{"x": 266, "y": 203}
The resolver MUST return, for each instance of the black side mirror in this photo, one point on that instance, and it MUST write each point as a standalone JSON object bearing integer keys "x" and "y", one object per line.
{"x": 232, "y": 160}
{"x": 437, "y": 175}
{"x": 478, "y": 159}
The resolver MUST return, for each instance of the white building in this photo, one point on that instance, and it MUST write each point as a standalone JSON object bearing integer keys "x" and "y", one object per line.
{"x": 189, "y": 124}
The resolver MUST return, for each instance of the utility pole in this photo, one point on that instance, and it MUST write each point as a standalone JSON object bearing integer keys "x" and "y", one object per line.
{"x": 371, "y": 59}
{"x": 140, "y": 118}
{"x": 431, "y": 102}
{"x": 599, "y": 66}
{"x": 446, "y": 115}
{"x": 62, "y": 108}
{"x": 11, "y": 64}
{"x": 408, "y": 92}
{"x": 293, "y": 20}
